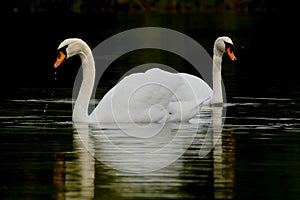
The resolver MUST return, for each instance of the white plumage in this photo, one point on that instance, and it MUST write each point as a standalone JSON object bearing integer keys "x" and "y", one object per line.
{"x": 153, "y": 96}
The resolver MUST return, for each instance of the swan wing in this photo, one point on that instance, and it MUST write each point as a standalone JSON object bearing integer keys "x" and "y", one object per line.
{"x": 193, "y": 89}
{"x": 188, "y": 98}
{"x": 139, "y": 97}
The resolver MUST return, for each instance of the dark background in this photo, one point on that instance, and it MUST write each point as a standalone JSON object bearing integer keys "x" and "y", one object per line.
{"x": 32, "y": 30}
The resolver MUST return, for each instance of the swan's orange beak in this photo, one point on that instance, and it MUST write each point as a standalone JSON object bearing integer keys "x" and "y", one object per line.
{"x": 60, "y": 58}
{"x": 230, "y": 53}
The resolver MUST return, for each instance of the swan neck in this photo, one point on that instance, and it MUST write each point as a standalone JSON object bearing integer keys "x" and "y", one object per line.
{"x": 81, "y": 107}
{"x": 217, "y": 79}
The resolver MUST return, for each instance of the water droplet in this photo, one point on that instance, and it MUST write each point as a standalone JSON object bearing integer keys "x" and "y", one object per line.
{"x": 45, "y": 109}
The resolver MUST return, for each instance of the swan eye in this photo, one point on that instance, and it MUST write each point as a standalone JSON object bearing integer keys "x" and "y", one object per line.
{"x": 60, "y": 58}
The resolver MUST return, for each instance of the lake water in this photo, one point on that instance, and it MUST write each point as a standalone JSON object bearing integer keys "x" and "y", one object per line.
{"x": 255, "y": 155}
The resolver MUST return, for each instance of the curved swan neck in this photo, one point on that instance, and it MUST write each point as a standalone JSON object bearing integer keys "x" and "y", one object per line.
{"x": 81, "y": 107}
{"x": 217, "y": 79}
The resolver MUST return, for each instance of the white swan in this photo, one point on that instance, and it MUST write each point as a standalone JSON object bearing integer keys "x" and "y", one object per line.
{"x": 153, "y": 96}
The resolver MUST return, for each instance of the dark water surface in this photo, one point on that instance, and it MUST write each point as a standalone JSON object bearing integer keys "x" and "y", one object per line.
{"x": 44, "y": 156}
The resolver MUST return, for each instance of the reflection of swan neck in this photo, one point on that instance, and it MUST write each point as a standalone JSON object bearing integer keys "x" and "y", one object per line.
{"x": 217, "y": 79}
{"x": 80, "y": 112}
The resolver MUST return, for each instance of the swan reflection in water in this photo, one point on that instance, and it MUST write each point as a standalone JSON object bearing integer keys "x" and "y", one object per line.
{"x": 123, "y": 150}
{"x": 142, "y": 152}
{"x": 147, "y": 147}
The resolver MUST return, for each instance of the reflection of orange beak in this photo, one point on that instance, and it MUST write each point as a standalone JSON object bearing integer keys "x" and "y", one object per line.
{"x": 230, "y": 54}
{"x": 60, "y": 58}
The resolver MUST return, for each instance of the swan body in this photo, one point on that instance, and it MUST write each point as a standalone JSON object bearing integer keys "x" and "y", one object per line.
{"x": 153, "y": 96}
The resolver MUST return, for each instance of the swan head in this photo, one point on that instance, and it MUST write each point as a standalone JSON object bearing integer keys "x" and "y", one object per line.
{"x": 224, "y": 45}
{"x": 70, "y": 47}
